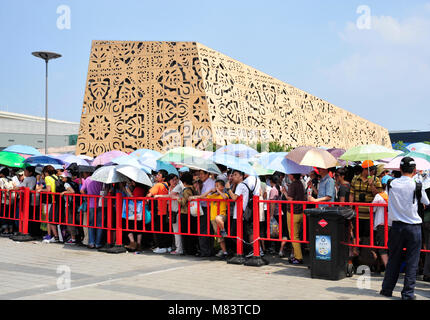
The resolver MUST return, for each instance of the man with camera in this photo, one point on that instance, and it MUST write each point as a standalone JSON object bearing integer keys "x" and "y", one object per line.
{"x": 403, "y": 200}
{"x": 364, "y": 188}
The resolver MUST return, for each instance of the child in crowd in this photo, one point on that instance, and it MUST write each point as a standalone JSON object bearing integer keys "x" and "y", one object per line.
{"x": 218, "y": 213}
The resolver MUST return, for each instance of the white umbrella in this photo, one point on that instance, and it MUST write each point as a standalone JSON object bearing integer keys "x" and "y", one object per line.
{"x": 134, "y": 174}
{"x": 108, "y": 174}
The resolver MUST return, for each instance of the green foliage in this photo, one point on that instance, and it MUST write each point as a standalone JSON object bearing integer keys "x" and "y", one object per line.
{"x": 400, "y": 145}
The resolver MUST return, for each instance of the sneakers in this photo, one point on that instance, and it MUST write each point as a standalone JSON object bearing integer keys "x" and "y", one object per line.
{"x": 223, "y": 233}
{"x": 249, "y": 255}
{"x": 71, "y": 242}
{"x": 52, "y": 240}
{"x": 296, "y": 261}
{"x": 178, "y": 253}
{"x": 221, "y": 254}
{"x": 169, "y": 249}
{"x": 281, "y": 254}
{"x": 160, "y": 250}
{"x": 49, "y": 239}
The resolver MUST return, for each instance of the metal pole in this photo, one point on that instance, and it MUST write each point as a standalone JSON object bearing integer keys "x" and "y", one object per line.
{"x": 46, "y": 109}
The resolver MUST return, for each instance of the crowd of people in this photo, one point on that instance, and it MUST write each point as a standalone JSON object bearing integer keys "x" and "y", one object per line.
{"x": 217, "y": 196}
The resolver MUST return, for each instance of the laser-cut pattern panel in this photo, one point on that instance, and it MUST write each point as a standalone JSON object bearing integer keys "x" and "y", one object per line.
{"x": 160, "y": 95}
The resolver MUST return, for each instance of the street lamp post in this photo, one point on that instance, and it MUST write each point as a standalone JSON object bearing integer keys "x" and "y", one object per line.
{"x": 45, "y": 55}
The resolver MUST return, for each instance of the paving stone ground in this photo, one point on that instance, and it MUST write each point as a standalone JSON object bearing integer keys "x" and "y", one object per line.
{"x": 33, "y": 270}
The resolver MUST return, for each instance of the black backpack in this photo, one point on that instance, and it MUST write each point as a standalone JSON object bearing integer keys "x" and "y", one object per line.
{"x": 59, "y": 184}
{"x": 247, "y": 215}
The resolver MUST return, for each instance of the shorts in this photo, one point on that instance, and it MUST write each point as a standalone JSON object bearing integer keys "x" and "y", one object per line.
{"x": 215, "y": 227}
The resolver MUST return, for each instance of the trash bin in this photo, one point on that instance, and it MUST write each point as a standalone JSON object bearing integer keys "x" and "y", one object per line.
{"x": 327, "y": 229}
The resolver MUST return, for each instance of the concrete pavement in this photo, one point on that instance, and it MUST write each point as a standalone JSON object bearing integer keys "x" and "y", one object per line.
{"x": 33, "y": 270}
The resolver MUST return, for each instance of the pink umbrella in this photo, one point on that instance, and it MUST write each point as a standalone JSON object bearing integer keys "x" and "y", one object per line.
{"x": 394, "y": 164}
{"x": 107, "y": 157}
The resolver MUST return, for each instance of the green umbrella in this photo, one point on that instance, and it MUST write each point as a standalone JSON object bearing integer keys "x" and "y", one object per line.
{"x": 369, "y": 152}
{"x": 415, "y": 155}
{"x": 11, "y": 159}
{"x": 261, "y": 171}
{"x": 179, "y": 154}
{"x": 198, "y": 163}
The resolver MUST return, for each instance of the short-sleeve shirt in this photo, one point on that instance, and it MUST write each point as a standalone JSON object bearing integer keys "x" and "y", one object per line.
{"x": 29, "y": 182}
{"x": 241, "y": 190}
{"x": 358, "y": 186}
{"x": 50, "y": 182}
{"x": 326, "y": 189}
{"x": 93, "y": 188}
{"x": 274, "y": 194}
{"x": 179, "y": 189}
{"x": 214, "y": 205}
{"x": 344, "y": 190}
{"x": 297, "y": 192}
{"x": 160, "y": 189}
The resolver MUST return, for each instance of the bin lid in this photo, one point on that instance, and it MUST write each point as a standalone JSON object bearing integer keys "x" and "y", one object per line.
{"x": 345, "y": 212}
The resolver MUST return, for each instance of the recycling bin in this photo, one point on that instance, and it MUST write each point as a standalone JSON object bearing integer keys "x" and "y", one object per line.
{"x": 327, "y": 230}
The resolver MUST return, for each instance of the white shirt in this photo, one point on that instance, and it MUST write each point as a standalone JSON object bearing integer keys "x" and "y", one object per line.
{"x": 29, "y": 182}
{"x": 178, "y": 189}
{"x": 241, "y": 189}
{"x": 209, "y": 184}
{"x": 379, "y": 213}
{"x": 253, "y": 185}
{"x": 400, "y": 197}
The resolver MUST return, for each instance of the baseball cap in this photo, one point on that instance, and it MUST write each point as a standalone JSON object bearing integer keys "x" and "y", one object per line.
{"x": 386, "y": 178}
{"x": 367, "y": 164}
{"x": 20, "y": 172}
{"x": 407, "y": 162}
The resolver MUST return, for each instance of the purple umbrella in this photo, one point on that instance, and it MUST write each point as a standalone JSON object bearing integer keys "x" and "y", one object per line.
{"x": 337, "y": 152}
{"x": 107, "y": 157}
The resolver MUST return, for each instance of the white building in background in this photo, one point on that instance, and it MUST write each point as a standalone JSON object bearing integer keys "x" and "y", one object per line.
{"x": 16, "y": 128}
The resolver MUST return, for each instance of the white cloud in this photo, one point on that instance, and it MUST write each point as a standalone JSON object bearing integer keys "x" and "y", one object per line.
{"x": 387, "y": 71}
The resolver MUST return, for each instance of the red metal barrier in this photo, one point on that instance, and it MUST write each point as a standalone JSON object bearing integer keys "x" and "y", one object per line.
{"x": 354, "y": 205}
{"x": 24, "y": 205}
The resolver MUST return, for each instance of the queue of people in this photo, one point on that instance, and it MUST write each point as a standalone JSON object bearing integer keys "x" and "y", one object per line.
{"x": 217, "y": 197}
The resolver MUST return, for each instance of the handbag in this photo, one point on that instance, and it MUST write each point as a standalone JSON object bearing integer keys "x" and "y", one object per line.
{"x": 83, "y": 206}
{"x": 132, "y": 210}
{"x": 274, "y": 228}
{"x": 147, "y": 212}
{"x": 194, "y": 205}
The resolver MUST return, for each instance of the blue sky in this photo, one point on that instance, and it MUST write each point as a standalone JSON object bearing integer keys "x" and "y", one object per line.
{"x": 381, "y": 73}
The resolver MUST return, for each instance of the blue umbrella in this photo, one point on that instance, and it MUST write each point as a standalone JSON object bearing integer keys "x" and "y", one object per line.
{"x": 234, "y": 163}
{"x": 143, "y": 153}
{"x": 19, "y": 148}
{"x": 237, "y": 150}
{"x": 44, "y": 161}
{"x": 266, "y": 159}
{"x": 70, "y": 158}
{"x": 131, "y": 161}
{"x": 166, "y": 166}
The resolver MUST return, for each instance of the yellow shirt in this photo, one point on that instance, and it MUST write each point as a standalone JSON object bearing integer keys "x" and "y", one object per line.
{"x": 50, "y": 181}
{"x": 215, "y": 204}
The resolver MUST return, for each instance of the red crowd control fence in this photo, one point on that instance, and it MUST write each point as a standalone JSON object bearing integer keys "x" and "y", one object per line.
{"x": 117, "y": 214}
